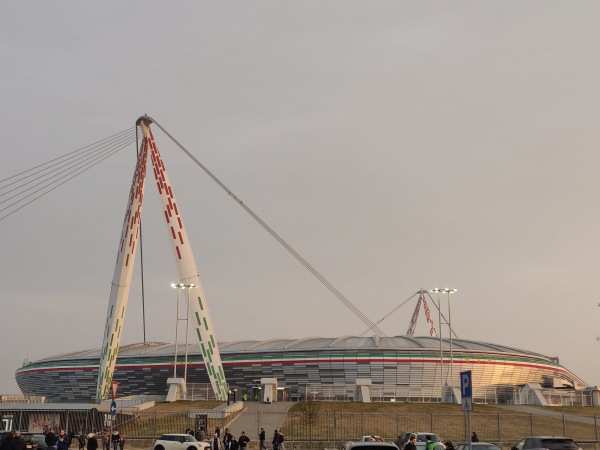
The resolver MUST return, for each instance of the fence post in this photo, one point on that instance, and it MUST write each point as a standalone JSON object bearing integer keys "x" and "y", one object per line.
{"x": 531, "y": 423}
{"x": 499, "y": 433}
{"x": 363, "y": 423}
{"x": 596, "y": 428}
{"x": 564, "y": 426}
{"x": 431, "y": 421}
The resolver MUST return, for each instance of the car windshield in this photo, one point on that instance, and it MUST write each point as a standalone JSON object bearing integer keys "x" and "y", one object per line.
{"x": 559, "y": 444}
{"x": 432, "y": 437}
{"x": 190, "y": 438}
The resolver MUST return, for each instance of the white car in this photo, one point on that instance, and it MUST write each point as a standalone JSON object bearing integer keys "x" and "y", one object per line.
{"x": 180, "y": 442}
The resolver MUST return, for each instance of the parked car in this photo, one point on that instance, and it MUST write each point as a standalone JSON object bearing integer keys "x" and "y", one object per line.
{"x": 180, "y": 442}
{"x": 546, "y": 442}
{"x": 477, "y": 446}
{"x": 31, "y": 443}
{"x": 40, "y": 439}
{"x": 366, "y": 445}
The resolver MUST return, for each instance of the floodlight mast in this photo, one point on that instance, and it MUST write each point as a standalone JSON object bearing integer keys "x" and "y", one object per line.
{"x": 186, "y": 268}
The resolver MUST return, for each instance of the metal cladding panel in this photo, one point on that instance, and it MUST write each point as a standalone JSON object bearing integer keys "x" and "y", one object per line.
{"x": 414, "y": 371}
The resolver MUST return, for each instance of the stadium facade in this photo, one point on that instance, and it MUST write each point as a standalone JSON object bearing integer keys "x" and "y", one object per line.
{"x": 400, "y": 368}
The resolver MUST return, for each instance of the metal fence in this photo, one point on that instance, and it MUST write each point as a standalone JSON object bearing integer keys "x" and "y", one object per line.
{"x": 312, "y": 429}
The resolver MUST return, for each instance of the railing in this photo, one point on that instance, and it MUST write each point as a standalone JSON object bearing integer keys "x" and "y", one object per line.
{"x": 319, "y": 429}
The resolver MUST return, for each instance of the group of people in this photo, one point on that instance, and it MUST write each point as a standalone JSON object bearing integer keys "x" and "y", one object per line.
{"x": 411, "y": 442}
{"x": 229, "y": 442}
{"x": 13, "y": 441}
{"x": 116, "y": 440}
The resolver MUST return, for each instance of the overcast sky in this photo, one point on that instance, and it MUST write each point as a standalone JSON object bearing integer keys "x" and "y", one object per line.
{"x": 396, "y": 145}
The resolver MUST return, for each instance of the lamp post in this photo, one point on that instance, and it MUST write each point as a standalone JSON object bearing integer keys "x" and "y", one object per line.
{"x": 450, "y": 291}
{"x": 437, "y": 291}
{"x": 179, "y": 287}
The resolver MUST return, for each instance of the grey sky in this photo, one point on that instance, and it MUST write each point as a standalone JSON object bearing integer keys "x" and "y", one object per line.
{"x": 396, "y": 145}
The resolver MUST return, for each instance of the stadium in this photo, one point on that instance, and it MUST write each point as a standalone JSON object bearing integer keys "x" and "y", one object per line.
{"x": 401, "y": 368}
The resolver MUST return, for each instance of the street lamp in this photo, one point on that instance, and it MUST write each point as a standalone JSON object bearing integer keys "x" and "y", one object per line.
{"x": 437, "y": 291}
{"x": 450, "y": 291}
{"x": 179, "y": 287}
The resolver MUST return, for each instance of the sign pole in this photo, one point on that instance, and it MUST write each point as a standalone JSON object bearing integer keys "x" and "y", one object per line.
{"x": 466, "y": 400}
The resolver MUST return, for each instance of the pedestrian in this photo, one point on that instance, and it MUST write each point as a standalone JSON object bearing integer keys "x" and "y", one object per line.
{"x": 233, "y": 444}
{"x": 215, "y": 443}
{"x": 412, "y": 443}
{"x": 218, "y": 432}
{"x": 280, "y": 440}
{"x": 474, "y": 437}
{"x": 92, "y": 442}
{"x": 449, "y": 445}
{"x": 7, "y": 441}
{"x": 200, "y": 436}
{"x": 243, "y": 441}
{"x": 63, "y": 441}
{"x": 122, "y": 442}
{"x": 81, "y": 440}
{"x": 430, "y": 443}
{"x": 261, "y": 438}
{"x": 275, "y": 441}
{"x": 71, "y": 436}
{"x": 227, "y": 439}
{"x": 105, "y": 440}
{"x": 114, "y": 439}
{"x": 50, "y": 439}
{"x": 18, "y": 443}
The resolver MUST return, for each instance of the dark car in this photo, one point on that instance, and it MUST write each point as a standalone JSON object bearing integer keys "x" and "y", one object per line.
{"x": 39, "y": 439}
{"x": 477, "y": 446}
{"x": 546, "y": 442}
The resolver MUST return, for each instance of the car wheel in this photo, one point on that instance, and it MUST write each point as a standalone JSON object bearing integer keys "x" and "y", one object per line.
{"x": 194, "y": 448}
{"x": 159, "y": 447}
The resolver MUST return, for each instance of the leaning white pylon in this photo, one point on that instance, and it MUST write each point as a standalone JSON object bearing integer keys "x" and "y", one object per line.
{"x": 119, "y": 292}
{"x": 186, "y": 268}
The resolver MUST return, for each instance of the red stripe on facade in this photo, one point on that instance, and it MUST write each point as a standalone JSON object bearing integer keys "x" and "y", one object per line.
{"x": 173, "y": 233}
{"x": 167, "y": 217}
{"x": 180, "y": 238}
{"x": 178, "y": 252}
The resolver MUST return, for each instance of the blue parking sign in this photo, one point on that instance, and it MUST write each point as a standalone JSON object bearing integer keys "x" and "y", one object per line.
{"x": 466, "y": 388}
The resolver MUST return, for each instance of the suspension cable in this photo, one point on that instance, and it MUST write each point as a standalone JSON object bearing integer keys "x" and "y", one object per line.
{"x": 276, "y": 236}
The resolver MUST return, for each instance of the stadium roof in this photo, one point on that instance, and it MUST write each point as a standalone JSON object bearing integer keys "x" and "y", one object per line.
{"x": 428, "y": 343}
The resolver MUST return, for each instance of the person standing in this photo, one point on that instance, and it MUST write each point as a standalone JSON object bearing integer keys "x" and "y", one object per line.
{"x": 227, "y": 439}
{"x": 474, "y": 437}
{"x": 280, "y": 440}
{"x": 275, "y": 441}
{"x": 63, "y": 441}
{"x": 122, "y": 442}
{"x": 412, "y": 443}
{"x": 215, "y": 443}
{"x": 105, "y": 440}
{"x": 50, "y": 439}
{"x": 243, "y": 441}
{"x": 7, "y": 441}
{"x": 233, "y": 444}
{"x": 115, "y": 438}
{"x": 18, "y": 443}
{"x": 81, "y": 440}
{"x": 92, "y": 442}
{"x": 261, "y": 438}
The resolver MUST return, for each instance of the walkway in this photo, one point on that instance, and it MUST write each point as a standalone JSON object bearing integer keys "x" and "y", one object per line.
{"x": 269, "y": 416}
{"x": 546, "y": 412}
